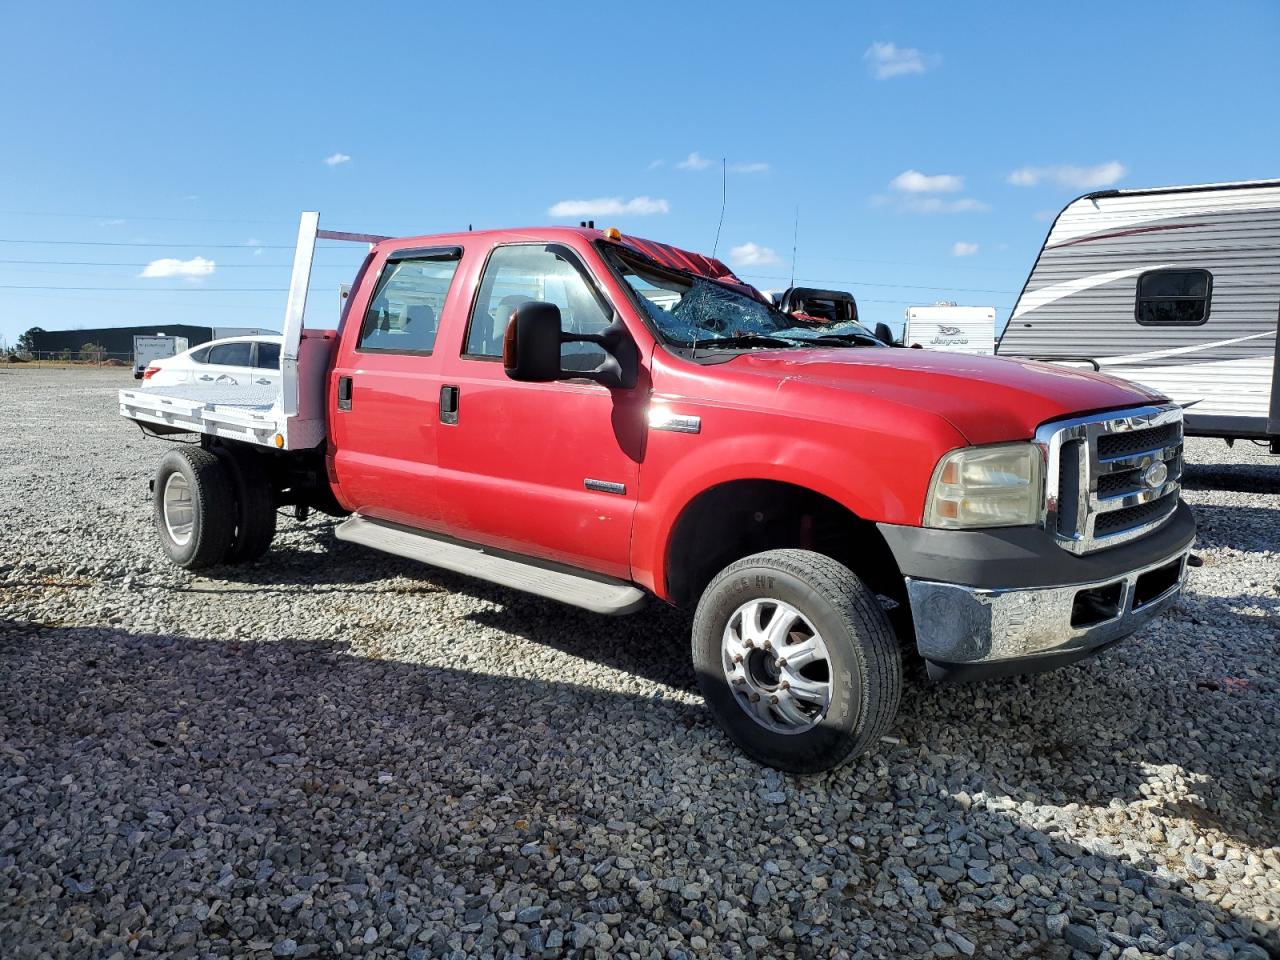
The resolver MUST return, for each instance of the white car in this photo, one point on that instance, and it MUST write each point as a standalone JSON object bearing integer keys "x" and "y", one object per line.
{"x": 248, "y": 362}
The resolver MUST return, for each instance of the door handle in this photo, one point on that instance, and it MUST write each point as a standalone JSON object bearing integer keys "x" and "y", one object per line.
{"x": 344, "y": 393}
{"x": 449, "y": 404}
{"x": 263, "y": 382}
{"x": 206, "y": 377}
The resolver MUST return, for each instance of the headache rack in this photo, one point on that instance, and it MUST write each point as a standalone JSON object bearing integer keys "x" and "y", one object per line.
{"x": 289, "y": 418}
{"x": 1111, "y": 477}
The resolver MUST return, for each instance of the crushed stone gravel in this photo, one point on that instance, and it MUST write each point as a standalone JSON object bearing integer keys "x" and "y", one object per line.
{"x": 331, "y": 752}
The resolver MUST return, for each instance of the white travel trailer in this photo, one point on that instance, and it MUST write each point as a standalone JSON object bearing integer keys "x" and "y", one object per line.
{"x": 951, "y": 329}
{"x": 147, "y": 349}
{"x": 1177, "y": 288}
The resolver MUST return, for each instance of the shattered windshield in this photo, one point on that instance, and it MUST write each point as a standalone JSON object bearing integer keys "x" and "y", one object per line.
{"x": 691, "y": 311}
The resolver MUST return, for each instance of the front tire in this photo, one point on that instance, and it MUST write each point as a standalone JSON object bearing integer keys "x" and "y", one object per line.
{"x": 797, "y": 660}
{"x": 194, "y": 503}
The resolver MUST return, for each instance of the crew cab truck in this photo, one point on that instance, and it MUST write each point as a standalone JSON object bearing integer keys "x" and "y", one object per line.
{"x": 597, "y": 418}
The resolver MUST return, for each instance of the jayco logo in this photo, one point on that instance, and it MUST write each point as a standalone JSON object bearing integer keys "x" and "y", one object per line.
{"x": 948, "y": 335}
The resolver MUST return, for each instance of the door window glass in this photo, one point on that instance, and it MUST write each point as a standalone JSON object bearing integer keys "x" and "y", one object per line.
{"x": 230, "y": 354}
{"x": 268, "y": 356}
{"x": 518, "y": 274}
{"x": 404, "y": 314}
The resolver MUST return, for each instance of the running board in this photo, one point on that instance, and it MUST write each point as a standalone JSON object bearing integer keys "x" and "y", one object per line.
{"x": 543, "y": 578}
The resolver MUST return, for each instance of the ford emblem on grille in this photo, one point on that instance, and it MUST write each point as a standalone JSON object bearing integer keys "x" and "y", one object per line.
{"x": 1155, "y": 475}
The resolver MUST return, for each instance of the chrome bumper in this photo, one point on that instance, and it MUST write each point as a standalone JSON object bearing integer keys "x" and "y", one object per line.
{"x": 971, "y": 625}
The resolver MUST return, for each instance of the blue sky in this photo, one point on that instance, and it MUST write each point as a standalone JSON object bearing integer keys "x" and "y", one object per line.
{"x": 926, "y": 146}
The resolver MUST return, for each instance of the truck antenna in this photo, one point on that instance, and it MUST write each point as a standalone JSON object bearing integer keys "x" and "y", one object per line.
{"x": 795, "y": 233}
{"x": 724, "y": 190}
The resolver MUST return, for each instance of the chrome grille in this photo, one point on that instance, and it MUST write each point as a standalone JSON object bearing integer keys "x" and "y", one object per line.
{"x": 1104, "y": 483}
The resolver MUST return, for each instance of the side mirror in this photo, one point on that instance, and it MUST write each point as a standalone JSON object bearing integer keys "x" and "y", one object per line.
{"x": 531, "y": 349}
{"x": 531, "y": 346}
{"x": 884, "y": 334}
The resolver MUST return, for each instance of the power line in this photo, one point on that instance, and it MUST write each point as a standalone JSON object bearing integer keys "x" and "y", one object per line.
{"x": 125, "y": 218}
{"x": 165, "y": 243}
{"x": 23, "y": 286}
{"x": 112, "y": 263}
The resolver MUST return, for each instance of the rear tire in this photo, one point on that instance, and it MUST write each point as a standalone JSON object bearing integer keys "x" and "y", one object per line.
{"x": 255, "y": 507}
{"x": 194, "y": 506}
{"x": 797, "y": 660}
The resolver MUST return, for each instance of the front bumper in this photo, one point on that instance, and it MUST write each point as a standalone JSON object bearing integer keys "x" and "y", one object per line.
{"x": 975, "y": 629}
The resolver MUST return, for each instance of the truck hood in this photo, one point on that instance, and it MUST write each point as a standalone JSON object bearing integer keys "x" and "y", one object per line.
{"x": 987, "y": 399}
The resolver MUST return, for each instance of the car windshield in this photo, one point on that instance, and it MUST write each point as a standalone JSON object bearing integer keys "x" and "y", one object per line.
{"x": 692, "y": 311}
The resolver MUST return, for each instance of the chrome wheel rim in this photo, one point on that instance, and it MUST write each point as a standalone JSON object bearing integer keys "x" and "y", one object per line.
{"x": 178, "y": 509}
{"x": 777, "y": 666}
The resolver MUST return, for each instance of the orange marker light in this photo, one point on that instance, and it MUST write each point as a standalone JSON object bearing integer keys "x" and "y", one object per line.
{"x": 613, "y": 233}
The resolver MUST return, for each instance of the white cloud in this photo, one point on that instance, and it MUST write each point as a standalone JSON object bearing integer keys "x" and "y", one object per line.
{"x": 913, "y": 181}
{"x": 170, "y": 267}
{"x": 962, "y": 249}
{"x": 256, "y": 244}
{"x": 752, "y": 255}
{"x": 335, "y": 159}
{"x": 890, "y": 60}
{"x": 655, "y": 164}
{"x": 608, "y": 206}
{"x": 112, "y": 223}
{"x": 1070, "y": 176}
{"x": 694, "y": 161}
{"x": 939, "y": 205}
{"x": 749, "y": 167}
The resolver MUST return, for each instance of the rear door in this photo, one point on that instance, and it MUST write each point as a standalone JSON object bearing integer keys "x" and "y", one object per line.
{"x": 544, "y": 469}
{"x": 266, "y": 364}
{"x": 385, "y": 387}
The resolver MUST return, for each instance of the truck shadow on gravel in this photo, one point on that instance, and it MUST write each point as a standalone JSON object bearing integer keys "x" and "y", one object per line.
{"x": 1236, "y": 477}
{"x": 317, "y": 794}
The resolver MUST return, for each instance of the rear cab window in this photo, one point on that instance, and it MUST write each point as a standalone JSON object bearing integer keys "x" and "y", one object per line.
{"x": 403, "y": 315}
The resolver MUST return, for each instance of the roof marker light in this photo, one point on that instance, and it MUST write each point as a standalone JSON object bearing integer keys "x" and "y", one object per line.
{"x": 613, "y": 233}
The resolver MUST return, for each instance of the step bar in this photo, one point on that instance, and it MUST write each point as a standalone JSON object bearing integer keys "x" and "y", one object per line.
{"x": 545, "y": 579}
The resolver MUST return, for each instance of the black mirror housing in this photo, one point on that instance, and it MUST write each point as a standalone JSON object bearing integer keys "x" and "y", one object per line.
{"x": 531, "y": 345}
{"x": 884, "y": 334}
{"x": 531, "y": 349}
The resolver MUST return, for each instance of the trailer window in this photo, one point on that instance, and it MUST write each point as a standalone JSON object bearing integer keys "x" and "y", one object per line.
{"x": 404, "y": 313}
{"x": 1178, "y": 298}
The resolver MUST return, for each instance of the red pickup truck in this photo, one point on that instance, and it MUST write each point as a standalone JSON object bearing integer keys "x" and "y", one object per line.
{"x": 597, "y": 418}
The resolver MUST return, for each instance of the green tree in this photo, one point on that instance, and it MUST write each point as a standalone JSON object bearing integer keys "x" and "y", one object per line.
{"x": 27, "y": 341}
{"x": 94, "y": 352}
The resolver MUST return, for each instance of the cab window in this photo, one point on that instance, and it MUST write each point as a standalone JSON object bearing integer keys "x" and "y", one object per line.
{"x": 520, "y": 273}
{"x": 404, "y": 312}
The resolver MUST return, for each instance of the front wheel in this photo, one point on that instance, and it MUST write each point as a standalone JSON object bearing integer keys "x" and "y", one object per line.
{"x": 797, "y": 660}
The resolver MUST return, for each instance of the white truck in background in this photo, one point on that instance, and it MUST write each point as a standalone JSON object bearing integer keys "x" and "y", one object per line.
{"x": 951, "y": 329}
{"x": 147, "y": 349}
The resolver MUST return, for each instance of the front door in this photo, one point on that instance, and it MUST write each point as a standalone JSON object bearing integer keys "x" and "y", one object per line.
{"x": 544, "y": 469}
{"x": 385, "y": 388}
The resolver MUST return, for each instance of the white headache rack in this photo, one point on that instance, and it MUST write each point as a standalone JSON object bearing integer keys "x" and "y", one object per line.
{"x": 290, "y": 417}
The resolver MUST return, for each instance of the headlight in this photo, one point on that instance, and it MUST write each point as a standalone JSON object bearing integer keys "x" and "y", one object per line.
{"x": 998, "y": 486}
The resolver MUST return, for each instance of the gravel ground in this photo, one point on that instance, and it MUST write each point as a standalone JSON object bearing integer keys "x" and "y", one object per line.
{"x": 336, "y": 752}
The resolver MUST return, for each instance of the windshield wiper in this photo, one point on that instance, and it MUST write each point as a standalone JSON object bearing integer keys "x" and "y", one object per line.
{"x": 746, "y": 340}
{"x": 843, "y": 339}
